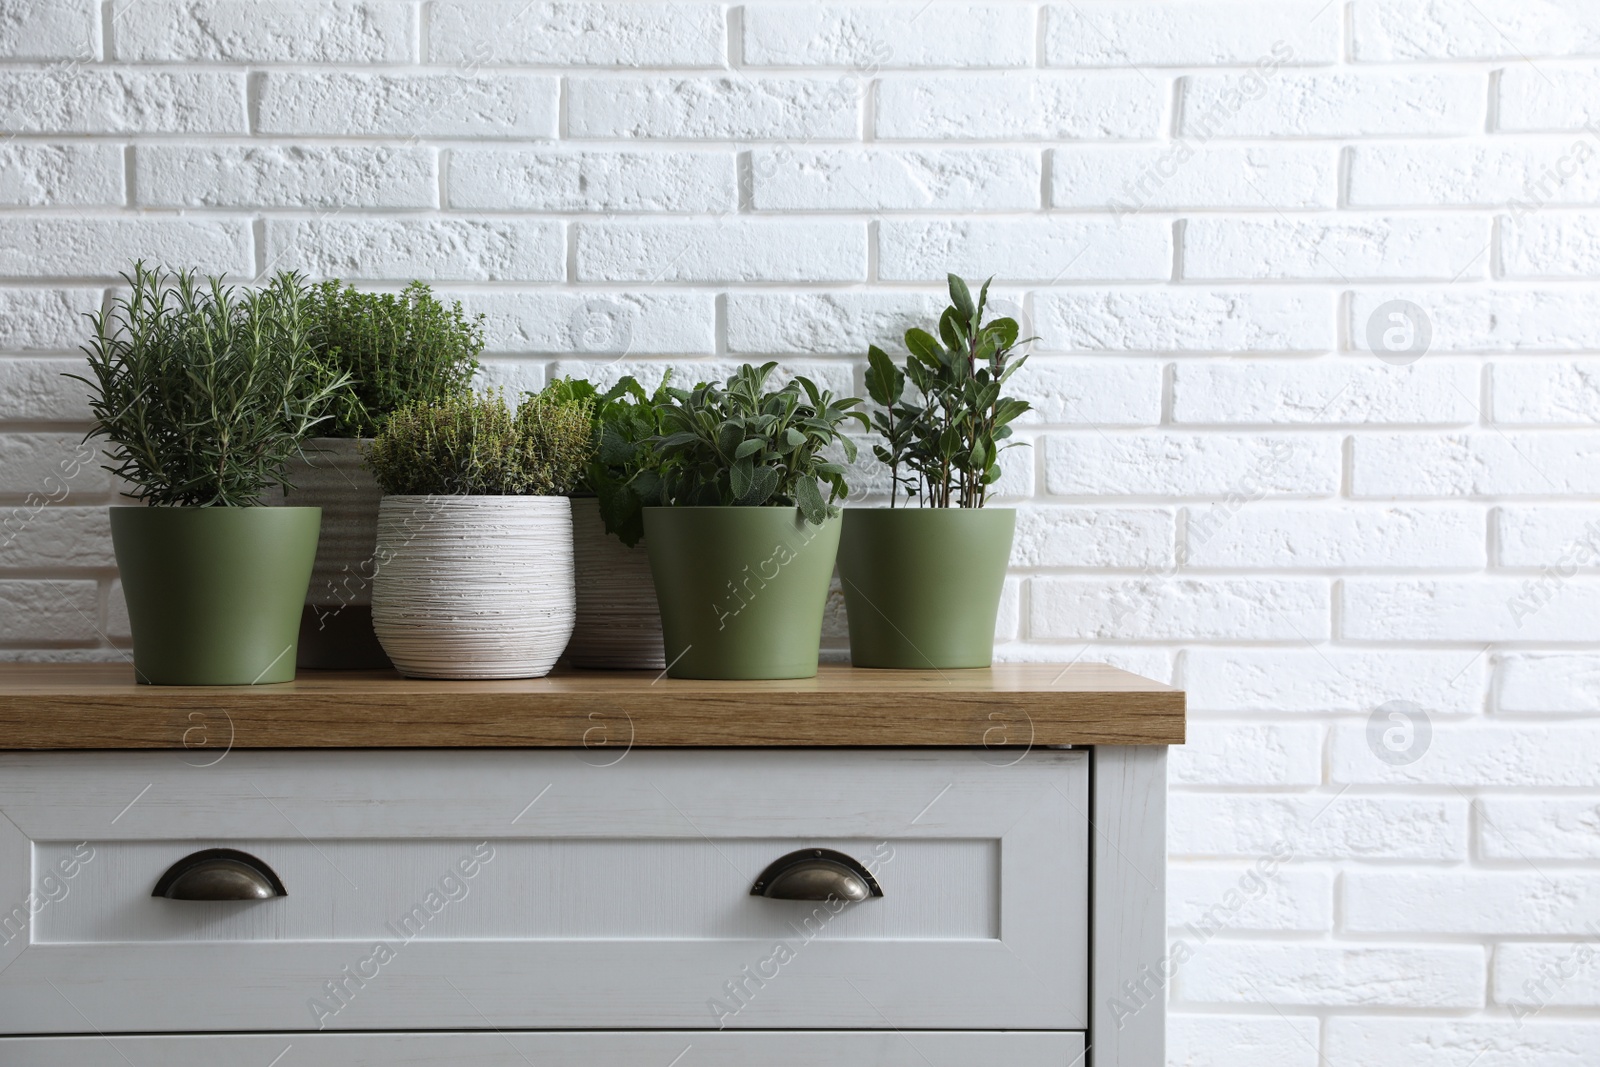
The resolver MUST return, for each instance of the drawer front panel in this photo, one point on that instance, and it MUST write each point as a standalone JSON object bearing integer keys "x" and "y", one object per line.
{"x": 630, "y": 888}
{"x": 530, "y": 889}
{"x": 727, "y": 1048}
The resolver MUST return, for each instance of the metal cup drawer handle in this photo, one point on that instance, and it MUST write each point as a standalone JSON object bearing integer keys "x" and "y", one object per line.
{"x": 816, "y": 874}
{"x": 219, "y": 874}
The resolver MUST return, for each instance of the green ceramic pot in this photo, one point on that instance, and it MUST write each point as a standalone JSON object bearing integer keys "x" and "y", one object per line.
{"x": 214, "y": 594}
{"x": 922, "y": 585}
{"x": 741, "y": 590}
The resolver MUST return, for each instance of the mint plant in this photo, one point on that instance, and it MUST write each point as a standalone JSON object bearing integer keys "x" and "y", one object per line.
{"x": 625, "y": 471}
{"x": 942, "y": 443}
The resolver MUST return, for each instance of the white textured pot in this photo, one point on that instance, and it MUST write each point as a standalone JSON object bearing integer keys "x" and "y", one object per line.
{"x": 336, "y": 626}
{"x": 474, "y": 586}
{"x": 619, "y": 623}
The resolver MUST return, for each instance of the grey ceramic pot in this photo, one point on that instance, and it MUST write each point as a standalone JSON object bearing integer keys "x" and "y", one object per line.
{"x": 336, "y": 623}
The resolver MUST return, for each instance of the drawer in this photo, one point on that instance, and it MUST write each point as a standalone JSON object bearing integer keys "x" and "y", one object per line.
{"x": 530, "y": 889}
{"x": 680, "y": 1048}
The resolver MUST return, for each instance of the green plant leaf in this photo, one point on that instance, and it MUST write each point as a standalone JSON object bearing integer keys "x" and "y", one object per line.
{"x": 953, "y": 330}
{"x": 741, "y": 476}
{"x": 764, "y": 486}
{"x": 812, "y": 394}
{"x": 1007, "y": 409}
{"x": 1005, "y": 331}
{"x": 646, "y": 485}
{"x": 961, "y": 297}
{"x": 809, "y": 499}
{"x": 620, "y": 511}
{"x": 749, "y": 448}
{"x": 925, "y": 348}
{"x": 921, "y": 376}
{"x": 885, "y": 383}
{"x": 615, "y": 449}
{"x": 729, "y": 437}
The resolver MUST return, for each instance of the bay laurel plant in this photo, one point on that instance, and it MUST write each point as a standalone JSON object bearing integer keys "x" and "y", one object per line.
{"x": 625, "y": 472}
{"x": 395, "y": 349}
{"x": 204, "y": 390}
{"x": 478, "y": 445}
{"x": 740, "y": 443}
{"x": 942, "y": 441}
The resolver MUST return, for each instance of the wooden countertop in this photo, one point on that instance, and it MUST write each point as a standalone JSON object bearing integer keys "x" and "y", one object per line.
{"x": 98, "y": 706}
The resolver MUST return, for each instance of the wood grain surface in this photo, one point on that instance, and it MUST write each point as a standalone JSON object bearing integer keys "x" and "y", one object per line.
{"x": 98, "y": 706}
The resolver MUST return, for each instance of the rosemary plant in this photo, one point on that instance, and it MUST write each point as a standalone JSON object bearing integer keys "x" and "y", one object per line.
{"x": 943, "y": 444}
{"x": 204, "y": 390}
{"x": 742, "y": 444}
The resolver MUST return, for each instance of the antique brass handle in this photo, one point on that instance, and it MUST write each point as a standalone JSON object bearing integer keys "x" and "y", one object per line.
{"x": 219, "y": 874}
{"x": 816, "y": 874}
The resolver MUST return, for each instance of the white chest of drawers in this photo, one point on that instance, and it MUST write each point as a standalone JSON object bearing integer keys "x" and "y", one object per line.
{"x": 594, "y": 903}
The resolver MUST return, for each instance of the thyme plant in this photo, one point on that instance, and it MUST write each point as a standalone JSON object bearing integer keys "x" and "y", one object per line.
{"x": 741, "y": 444}
{"x": 943, "y": 442}
{"x": 396, "y": 348}
{"x": 479, "y": 446}
{"x": 204, "y": 390}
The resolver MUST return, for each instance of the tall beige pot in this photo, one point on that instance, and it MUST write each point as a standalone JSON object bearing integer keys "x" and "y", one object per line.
{"x": 336, "y": 624}
{"x": 619, "y": 624}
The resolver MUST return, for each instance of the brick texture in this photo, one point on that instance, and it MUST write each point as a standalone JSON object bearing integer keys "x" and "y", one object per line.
{"x": 1316, "y": 383}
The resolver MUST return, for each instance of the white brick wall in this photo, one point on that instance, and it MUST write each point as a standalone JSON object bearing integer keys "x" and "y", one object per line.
{"x": 1206, "y": 210}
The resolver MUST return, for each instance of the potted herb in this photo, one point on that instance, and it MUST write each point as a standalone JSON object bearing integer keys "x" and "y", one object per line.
{"x": 474, "y": 538}
{"x": 204, "y": 392}
{"x": 743, "y": 550}
{"x": 396, "y": 349}
{"x": 922, "y": 584}
{"x": 619, "y": 623}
